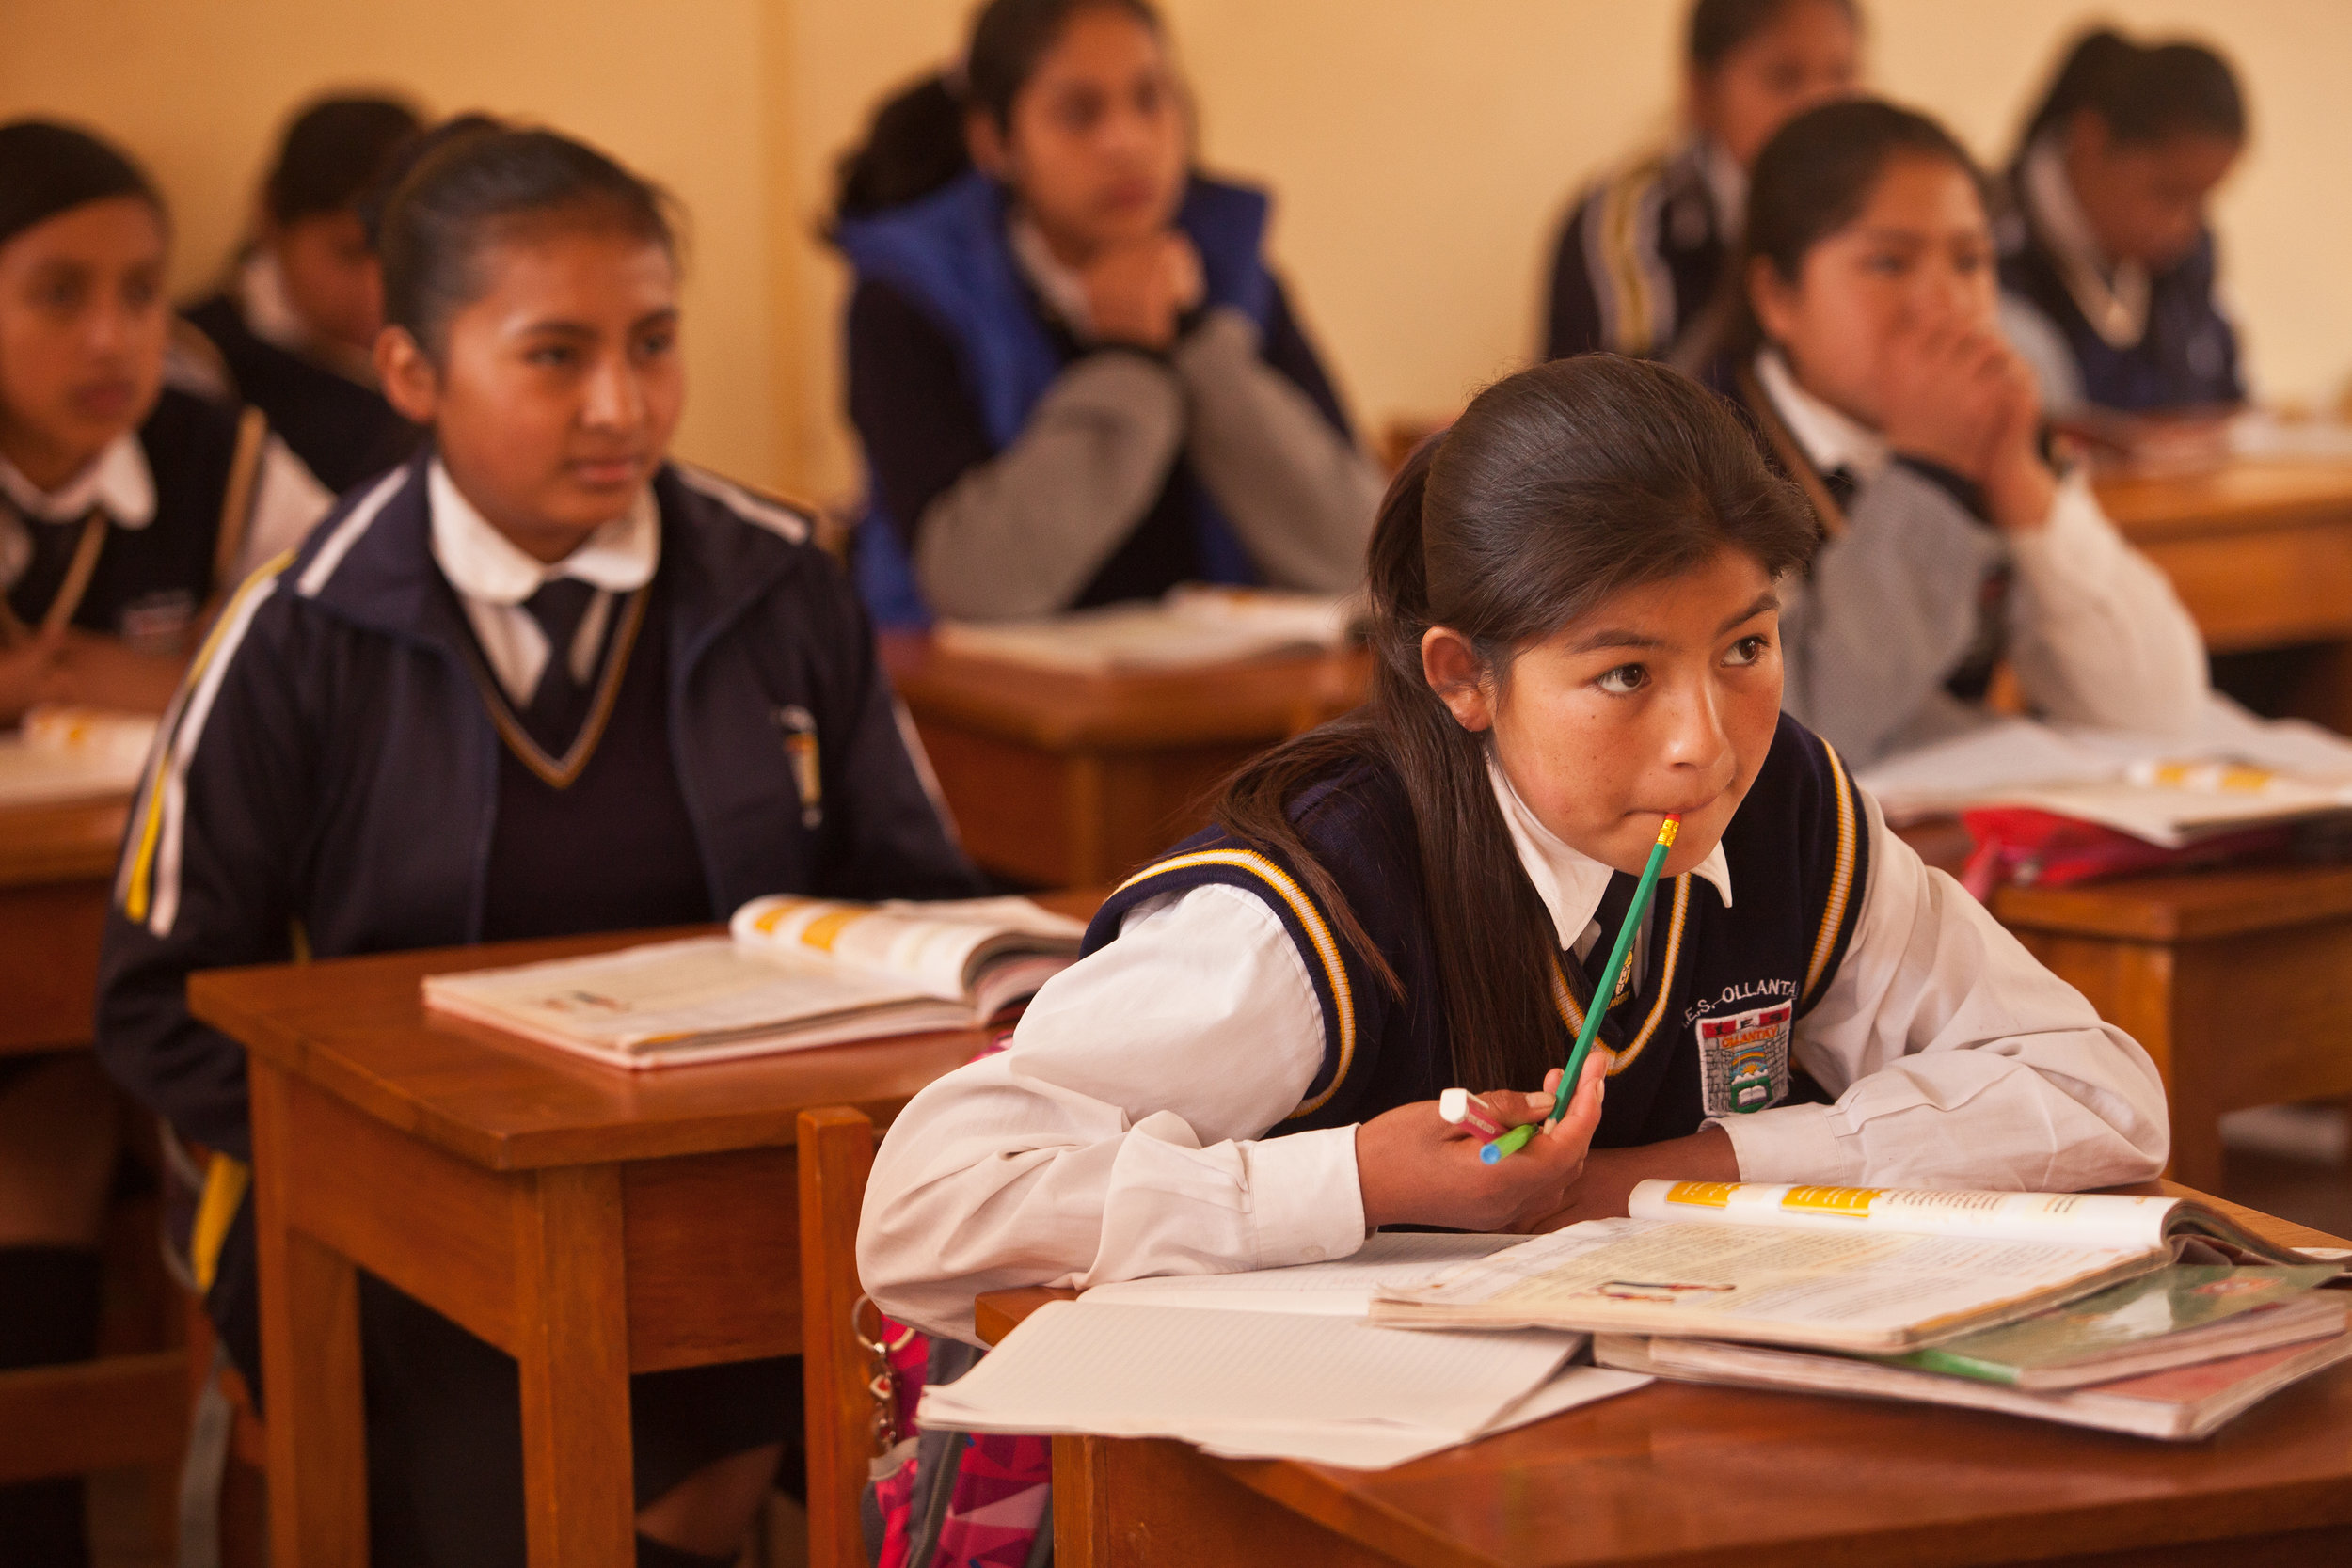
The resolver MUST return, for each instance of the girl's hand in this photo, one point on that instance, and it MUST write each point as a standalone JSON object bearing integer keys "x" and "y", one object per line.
{"x": 1416, "y": 1168}
{"x": 1136, "y": 292}
{"x": 2019, "y": 487}
{"x": 28, "y": 675}
{"x": 1947, "y": 393}
{"x": 1611, "y": 1175}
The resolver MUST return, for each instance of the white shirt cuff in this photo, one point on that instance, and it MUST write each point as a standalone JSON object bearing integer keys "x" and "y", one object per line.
{"x": 1305, "y": 1199}
{"x": 1793, "y": 1143}
{"x": 2076, "y": 544}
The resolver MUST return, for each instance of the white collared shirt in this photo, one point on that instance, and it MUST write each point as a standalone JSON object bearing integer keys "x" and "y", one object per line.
{"x": 1831, "y": 437}
{"x": 1123, "y": 1133}
{"x": 1726, "y": 189}
{"x": 269, "y": 313}
{"x": 287, "y": 501}
{"x": 493, "y": 576}
{"x": 2113, "y": 295}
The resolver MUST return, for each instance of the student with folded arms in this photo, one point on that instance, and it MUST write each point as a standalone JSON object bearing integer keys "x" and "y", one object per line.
{"x": 1872, "y": 359}
{"x": 539, "y": 680}
{"x": 2106, "y": 256}
{"x": 1076, "y": 378}
{"x": 296, "y": 326}
{"x": 1643, "y": 259}
{"x": 1576, "y": 621}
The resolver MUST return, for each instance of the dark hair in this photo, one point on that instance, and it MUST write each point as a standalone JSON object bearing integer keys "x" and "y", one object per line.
{"x": 1719, "y": 26}
{"x": 1558, "y": 487}
{"x": 333, "y": 154}
{"x": 1815, "y": 177}
{"x": 477, "y": 183}
{"x": 47, "y": 168}
{"x": 916, "y": 143}
{"x": 2145, "y": 93}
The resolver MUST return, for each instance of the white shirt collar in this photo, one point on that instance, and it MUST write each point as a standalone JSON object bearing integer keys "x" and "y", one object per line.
{"x": 1572, "y": 884}
{"x": 2113, "y": 294}
{"x": 117, "y": 481}
{"x": 270, "y": 315}
{"x": 484, "y": 564}
{"x": 1727, "y": 188}
{"x": 1060, "y": 287}
{"x": 1830, "y": 437}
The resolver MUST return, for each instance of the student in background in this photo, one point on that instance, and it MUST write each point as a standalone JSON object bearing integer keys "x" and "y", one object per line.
{"x": 2106, "y": 253}
{"x": 1645, "y": 252}
{"x": 1872, "y": 359}
{"x": 1575, "y": 608}
{"x": 541, "y": 679}
{"x": 1075, "y": 379}
{"x": 125, "y": 508}
{"x": 296, "y": 326}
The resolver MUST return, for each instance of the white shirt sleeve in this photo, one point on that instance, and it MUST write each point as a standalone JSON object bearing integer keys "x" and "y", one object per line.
{"x": 2097, "y": 635}
{"x": 287, "y": 503}
{"x": 1120, "y": 1135}
{"x": 1957, "y": 1060}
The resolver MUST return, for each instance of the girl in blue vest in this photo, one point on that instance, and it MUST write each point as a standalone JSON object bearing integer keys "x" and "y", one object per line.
{"x": 1645, "y": 253}
{"x": 127, "y": 507}
{"x": 1871, "y": 357}
{"x": 1575, "y": 600}
{"x": 2106, "y": 252}
{"x": 540, "y": 680}
{"x": 1073, "y": 376}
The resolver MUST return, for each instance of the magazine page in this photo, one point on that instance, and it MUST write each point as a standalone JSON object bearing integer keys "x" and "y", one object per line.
{"x": 634, "y": 1000}
{"x": 939, "y": 947}
{"x": 2072, "y": 1219}
{"x": 1855, "y": 1291}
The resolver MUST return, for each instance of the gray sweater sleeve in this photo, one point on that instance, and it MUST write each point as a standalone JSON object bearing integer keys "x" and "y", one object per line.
{"x": 1023, "y": 532}
{"x": 1889, "y": 608}
{"x": 1298, "y": 493}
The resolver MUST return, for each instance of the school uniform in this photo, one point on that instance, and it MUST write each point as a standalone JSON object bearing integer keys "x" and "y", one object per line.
{"x": 1642, "y": 255}
{"x": 1891, "y": 637}
{"x": 2114, "y": 334}
{"x": 1019, "y": 466}
{"x": 322, "y": 399}
{"x": 1185, "y": 1099}
{"x": 409, "y": 734}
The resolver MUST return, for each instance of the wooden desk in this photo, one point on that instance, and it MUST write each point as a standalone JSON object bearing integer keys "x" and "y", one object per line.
{"x": 1719, "y": 1478}
{"x": 57, "y": 864}
{"x": 1067, "y": 779}
{"x": 590, "y": 1222}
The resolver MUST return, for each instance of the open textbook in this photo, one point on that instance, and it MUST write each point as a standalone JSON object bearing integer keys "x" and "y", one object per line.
{"x": 72, "y": 754}
{"x": 1833, "y": 1268}
{"x": 792, "y": 972}
{"x": 1267, "y": 1365}
{"x": 2235, "y": 771}
{"x": 1192, "y": 625}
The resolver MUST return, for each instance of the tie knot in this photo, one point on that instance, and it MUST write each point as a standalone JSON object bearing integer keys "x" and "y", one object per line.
{"x": 558, "y": 607}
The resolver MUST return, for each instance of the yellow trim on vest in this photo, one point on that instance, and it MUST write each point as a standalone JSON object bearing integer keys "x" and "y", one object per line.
{"x": 1326, "y": 947}
{"x": 136, "y": 891}
{"x": 1841, "y": 881}
{"x": 226, "y": 1181}
{"x": 1621, "y": 207}
{"x": 1564, "y": 1000}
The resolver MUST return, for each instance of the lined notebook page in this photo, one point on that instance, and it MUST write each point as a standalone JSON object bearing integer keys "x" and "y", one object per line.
{"x": 1342, "y": 1289}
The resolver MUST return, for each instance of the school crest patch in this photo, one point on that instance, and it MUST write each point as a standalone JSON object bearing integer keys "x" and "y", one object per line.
{"x": 1743, "y": 1059}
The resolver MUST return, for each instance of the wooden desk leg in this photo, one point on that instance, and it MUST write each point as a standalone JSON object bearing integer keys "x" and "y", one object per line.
{"x": 573, "y": 1350}
{"x": 1082, "y": 1533}
{"x": 318, "y": 1470}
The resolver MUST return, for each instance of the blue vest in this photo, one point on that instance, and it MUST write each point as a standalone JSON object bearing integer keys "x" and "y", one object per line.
{"x": 948, "y": 255}
{"x": 2188, "y": 355}
{"x": 1706, "y": 1033}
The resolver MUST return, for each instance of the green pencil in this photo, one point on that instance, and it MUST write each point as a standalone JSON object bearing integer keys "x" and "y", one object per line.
{"x": 1516, "y": 1139}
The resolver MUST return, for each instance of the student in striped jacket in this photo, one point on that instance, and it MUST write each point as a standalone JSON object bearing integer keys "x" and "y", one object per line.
{"x": 539, "y": 680}
{"x": 1642, "y": 260}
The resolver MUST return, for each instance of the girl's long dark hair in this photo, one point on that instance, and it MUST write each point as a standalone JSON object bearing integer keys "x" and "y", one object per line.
{"x": 916, "y": 143}
{"x": 1558, "y": 487}
{"x": 1719, "y": 26}
{"x": 2145, "y": 93}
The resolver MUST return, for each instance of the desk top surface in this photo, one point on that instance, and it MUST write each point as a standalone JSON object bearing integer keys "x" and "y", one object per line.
{"x": 1256, "y": 700}
{"x": 71, "y": 841}
{"x": 2184, "y": 907}
{"x": 359, "y": 1029}
{"x": 2245, "y": 494}
{"x": 1684, "y": 1473}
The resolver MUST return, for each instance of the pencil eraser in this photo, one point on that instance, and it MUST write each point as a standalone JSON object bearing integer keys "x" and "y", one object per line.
{"x": 1454, "y": 1104}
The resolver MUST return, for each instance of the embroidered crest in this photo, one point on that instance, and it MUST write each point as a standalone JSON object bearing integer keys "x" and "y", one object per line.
{"x": 1743, "y": 1059}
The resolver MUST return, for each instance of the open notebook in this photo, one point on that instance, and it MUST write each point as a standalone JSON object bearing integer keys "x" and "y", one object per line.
{"x": 1192, "y": 625}
{"x": 72, "y": 754}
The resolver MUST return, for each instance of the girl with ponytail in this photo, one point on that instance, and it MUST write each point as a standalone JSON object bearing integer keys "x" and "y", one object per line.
{"x": 1576, "y": 597}
{"x": 2106, "y": 256}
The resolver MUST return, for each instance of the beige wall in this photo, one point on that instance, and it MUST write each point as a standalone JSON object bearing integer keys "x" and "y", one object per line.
{"x": 1421, "y": 149}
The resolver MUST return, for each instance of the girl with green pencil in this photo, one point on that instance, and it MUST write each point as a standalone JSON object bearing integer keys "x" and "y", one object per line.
{"x": 1575, "y": 596}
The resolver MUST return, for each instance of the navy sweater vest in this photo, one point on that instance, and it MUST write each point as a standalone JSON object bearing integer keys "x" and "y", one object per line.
{"x": 1707, "y": 1033}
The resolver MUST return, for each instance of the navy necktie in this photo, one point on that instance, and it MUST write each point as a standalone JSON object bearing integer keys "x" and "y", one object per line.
{"x": 560, "y": 706}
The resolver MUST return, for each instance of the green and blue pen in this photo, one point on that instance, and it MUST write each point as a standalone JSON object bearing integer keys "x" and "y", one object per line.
{"x": 1516, "y": 1139}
